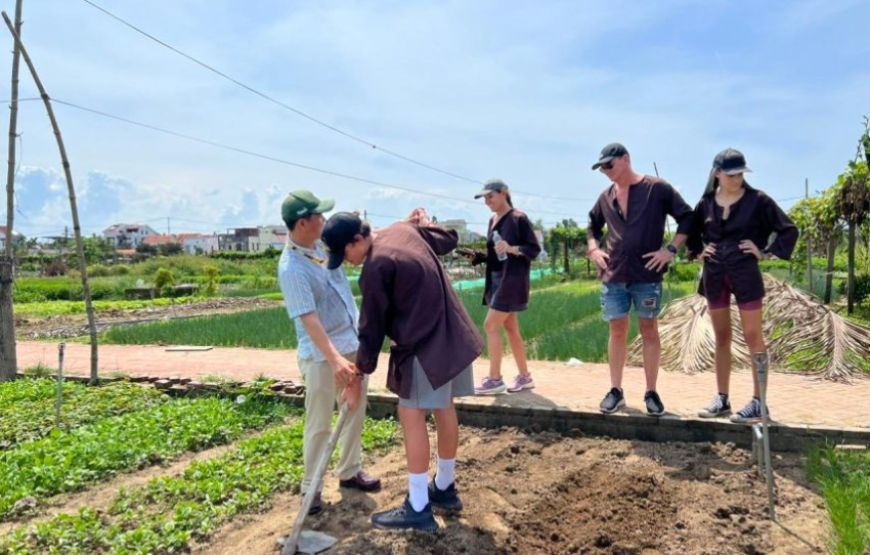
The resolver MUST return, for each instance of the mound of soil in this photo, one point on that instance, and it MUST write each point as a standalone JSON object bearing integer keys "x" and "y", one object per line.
{"x": 541, "y": 493}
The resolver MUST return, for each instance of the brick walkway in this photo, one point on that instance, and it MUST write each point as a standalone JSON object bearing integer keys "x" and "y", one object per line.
{"x": 794, "y": 400}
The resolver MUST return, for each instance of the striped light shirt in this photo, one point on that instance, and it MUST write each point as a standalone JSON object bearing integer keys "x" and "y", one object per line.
{"x": 309, "y": 287}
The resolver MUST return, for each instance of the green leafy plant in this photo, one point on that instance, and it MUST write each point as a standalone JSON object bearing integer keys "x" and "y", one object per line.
{"x": 67, "y": 461}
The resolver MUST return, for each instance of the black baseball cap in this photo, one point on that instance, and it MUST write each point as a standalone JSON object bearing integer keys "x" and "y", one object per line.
{"x": 608, "y": 153}
{"x": 339, "y": 231}
{"x": 493, "y": 185}
{"x": 730, "y": 161}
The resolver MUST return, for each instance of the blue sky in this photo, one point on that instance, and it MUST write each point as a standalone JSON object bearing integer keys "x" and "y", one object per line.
{"x": 528, "y": 92}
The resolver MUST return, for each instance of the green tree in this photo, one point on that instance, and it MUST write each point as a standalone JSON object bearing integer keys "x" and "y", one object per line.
{"x": 819, "y": 221}
{"x": 170, "y": 249}
{"x": 211, "y": 276}
{"x": 568, "y": 237}
{"x": 97, "y": 249}
{"x": 853, "y": 202}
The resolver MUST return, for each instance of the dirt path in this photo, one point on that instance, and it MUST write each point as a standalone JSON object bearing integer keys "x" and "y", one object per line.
{"x": 590, "y": 496}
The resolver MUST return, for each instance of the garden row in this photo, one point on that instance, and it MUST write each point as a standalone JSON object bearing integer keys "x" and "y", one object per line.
{"x": 167, "y": 514}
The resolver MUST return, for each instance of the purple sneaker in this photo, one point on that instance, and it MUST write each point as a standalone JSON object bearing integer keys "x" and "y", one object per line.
{"x": 489, "y": 386}
{"x": 521, "y": 382}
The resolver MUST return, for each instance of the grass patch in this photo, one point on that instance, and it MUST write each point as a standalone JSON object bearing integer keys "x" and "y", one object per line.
{"x": 268, "y": 328}
{"x": 60, "y": 308}
{"x": 549, "y": 323}
{"x": 844, "y": 478}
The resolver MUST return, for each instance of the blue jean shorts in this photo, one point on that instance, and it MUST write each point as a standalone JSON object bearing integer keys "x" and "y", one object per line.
{"x": 617, "y": 298}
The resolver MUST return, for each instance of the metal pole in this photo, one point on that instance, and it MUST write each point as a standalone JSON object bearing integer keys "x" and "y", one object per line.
{"x": 761, "y": 362}
{"x": 60, "y": 350}
{"x": 810, "y": 283}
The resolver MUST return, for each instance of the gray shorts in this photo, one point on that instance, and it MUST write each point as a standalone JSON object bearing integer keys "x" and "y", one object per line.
{"x": 424, "y": 397}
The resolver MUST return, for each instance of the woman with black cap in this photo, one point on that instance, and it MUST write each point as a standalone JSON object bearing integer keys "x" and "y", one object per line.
{"x": 731, "y": 232}
{"x": 511, "y": 245}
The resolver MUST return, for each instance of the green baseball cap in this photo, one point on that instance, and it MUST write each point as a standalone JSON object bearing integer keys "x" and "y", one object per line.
{"x": 299, "y": 204}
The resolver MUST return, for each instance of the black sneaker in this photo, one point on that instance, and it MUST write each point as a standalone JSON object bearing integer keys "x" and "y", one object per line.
{"x": 404, "y": 517}
{"x": 720, "y": 406}
{"x": 750, "y": 413}
{"x": 446, "y": 500}
{"x": 612, "y": 401}
{"x": 654, "y": 405}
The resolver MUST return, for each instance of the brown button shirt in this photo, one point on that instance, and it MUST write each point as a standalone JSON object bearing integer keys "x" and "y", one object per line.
{"x": 755, "y": 216}
{"x": 407, "y": 296}
{"x": 516, "y": 229}
{"x": 650, "y": 202}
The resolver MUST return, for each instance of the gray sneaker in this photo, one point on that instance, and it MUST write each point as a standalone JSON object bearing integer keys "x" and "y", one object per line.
{"x": 750, "y": 413}
{"x": 612, "y": 401}
{"x": 720, "y": 406}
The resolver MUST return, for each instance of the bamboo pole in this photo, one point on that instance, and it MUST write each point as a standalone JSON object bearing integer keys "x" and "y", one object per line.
{"x": 8, "y": 356}
{"x": 83, "y": 264}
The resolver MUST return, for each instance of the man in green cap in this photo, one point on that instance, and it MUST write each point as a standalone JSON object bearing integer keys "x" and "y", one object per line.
{"x": 322, "y": 306}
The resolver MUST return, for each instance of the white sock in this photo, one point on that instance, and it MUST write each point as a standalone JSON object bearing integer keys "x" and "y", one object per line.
{"x": 445, "y": 474}
{"x": 418, "y": 490}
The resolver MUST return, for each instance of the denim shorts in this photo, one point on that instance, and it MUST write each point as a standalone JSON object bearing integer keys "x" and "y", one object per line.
{"x": 617, "y": 298}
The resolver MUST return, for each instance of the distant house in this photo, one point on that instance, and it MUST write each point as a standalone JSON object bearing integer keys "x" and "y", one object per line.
{"x": 244, "y": 239}
{"x": 18, "y": 239}
{"x": 156, "y": 240}
{"x": 128, "y": 236}
{"x": 461, "y": 228}
{"x": 274, "y": 236}
{"x": 198, "y": 243}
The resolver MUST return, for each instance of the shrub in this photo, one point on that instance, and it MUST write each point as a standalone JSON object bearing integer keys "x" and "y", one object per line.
{"x": 163, "y": 277}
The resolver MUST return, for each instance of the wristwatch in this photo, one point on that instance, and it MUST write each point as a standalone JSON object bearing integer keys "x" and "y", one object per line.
{"x": 672, "y": 249}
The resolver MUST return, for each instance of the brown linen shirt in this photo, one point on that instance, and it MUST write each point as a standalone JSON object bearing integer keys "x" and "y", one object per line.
{"x": 755, "y": 216}
{"x": 516, "y": 229}
{"x": 407, "y": 296}
{"x": 650, "y": 202}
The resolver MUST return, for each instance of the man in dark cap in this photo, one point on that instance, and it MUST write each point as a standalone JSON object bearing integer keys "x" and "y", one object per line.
{"x": 634, "y": 209}
{"x": 407, "y": 296}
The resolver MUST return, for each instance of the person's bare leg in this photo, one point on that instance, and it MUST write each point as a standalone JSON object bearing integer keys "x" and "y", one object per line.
{"x": 617, "y": 350}
{"x": 754, "y": 337}
{"x": 515, "y": 340}
{"x": 495, "y": 320}
{"x": 721, "y": 318}
{"x": 652, "y": 350}
{"x": 416, "y": 434}
{"x": 447, "y": 428}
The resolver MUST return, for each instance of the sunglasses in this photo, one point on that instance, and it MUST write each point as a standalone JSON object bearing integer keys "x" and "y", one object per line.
{"x": 606, "y": 166}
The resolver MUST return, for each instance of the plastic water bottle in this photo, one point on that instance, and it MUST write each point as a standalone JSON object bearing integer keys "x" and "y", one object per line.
{"x": 496, "y": 238}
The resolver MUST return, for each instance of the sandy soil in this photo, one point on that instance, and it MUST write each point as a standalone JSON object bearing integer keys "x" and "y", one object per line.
{"x": 541, "y": 493}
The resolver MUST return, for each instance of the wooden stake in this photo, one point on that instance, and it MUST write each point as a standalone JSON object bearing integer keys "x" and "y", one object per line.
{"x": 8, "y": 355}
{"x": 83, "y": 264}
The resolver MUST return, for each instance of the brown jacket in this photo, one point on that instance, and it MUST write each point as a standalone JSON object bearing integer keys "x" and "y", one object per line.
{"x": 407, "y": 296}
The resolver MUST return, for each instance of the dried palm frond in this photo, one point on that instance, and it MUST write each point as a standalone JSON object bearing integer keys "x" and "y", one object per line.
{"x": 806, "y": 335}
{"x": 802, "y": 335}
{"x": 687, "y": 338}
